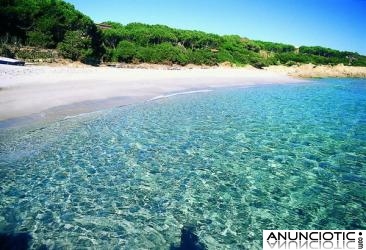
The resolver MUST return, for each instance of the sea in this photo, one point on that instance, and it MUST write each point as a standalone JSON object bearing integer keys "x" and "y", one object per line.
{"x": 223, "y": 165}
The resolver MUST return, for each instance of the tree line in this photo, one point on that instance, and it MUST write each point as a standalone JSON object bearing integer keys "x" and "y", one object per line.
{"x": 55, "y": 24}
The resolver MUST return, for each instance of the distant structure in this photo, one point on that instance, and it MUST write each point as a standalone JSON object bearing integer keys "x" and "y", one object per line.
{"x": 10, "y": 61}
{"x": 104, "y": 26}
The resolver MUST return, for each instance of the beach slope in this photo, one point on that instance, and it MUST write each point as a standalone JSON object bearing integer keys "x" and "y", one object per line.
{"x": 66, "y": 90}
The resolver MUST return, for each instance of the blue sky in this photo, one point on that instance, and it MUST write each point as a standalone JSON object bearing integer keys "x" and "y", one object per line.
{"x": 338, "y": 24}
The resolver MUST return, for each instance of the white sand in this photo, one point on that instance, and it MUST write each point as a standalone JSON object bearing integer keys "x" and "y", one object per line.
{"x": 311, "y": 70}
{"x": 35, "y": 89}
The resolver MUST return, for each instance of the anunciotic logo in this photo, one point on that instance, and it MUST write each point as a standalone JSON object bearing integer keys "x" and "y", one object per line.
{"x": 313, "y": 239}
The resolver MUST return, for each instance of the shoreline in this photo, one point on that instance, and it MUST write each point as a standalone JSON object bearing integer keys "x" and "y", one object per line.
{"x": 36, "y": 93}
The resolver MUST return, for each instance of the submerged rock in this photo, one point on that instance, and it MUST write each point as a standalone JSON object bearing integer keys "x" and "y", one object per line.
{"x": 189, "y": 240}
{"x": 19, "y": 241}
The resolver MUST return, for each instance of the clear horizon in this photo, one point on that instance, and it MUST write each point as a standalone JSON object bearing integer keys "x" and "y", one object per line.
{"x": 337, "y": 24}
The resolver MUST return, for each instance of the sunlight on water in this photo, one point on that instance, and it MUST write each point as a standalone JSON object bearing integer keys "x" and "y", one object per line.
{"x": 230, "y": 162}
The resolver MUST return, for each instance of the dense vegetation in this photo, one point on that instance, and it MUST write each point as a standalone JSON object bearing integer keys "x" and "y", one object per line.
{"x": 54, "y": 24}
{"x": 49, "y": 24}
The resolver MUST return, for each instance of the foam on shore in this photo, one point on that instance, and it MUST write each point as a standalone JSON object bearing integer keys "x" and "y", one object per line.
{"x": 179, "y": 93}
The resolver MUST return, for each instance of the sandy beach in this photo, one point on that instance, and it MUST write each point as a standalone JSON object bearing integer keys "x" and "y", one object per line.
{"x": 57, "y": 92}
{"x": 311, "y": 70}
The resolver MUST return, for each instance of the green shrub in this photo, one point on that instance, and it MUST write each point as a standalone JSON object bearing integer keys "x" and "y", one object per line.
{"x": 35, "y": 54}
{"x": 75, "y": 46}
{"x": 5, "y": 50}
{"x": 39, "y": 39}
{"x": 125, "y": 52}
{"x": 224, "y": 56}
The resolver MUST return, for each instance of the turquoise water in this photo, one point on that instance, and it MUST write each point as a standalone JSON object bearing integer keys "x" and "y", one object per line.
{"x": 231, "y": 162}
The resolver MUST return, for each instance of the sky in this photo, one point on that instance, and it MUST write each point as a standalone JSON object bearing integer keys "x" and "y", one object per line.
{"x": 337, "y": 24}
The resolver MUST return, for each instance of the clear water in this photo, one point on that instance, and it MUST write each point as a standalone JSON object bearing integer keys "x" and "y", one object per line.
{"x": 231, "y": 162}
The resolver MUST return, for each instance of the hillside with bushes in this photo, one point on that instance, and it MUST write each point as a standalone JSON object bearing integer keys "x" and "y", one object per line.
{"x": 32, "y": 28}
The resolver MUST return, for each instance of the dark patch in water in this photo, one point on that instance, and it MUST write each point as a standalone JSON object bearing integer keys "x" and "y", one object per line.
{"x": 354, "y": 178}
{"x": 43, "y": 247}
{"x": 15, "y": 241}
{"x": 189, "y": 240}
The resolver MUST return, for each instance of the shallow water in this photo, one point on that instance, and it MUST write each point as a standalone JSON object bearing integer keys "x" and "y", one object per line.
{"x": 230, "y": 162}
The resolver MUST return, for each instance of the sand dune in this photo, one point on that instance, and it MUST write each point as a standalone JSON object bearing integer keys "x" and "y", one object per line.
{"x": 311, "y": 70}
